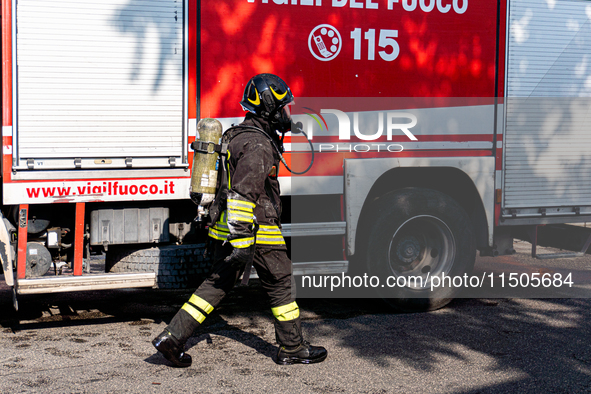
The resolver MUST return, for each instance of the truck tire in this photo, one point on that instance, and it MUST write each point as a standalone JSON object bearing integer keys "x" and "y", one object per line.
{"x": 176, "y": 266}
{"x": 419, "y": 233}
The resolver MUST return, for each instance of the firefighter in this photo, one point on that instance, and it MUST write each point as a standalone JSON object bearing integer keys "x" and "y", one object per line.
{"x": 246, "y": 229}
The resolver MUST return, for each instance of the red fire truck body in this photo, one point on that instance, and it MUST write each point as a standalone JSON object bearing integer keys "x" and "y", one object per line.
{"x": 100, "y": 103}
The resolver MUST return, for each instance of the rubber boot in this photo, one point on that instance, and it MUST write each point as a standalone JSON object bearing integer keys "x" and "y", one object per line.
{"x": 288, "y": 333}
{"x": 302, "y": 354}
{"x": 172, "y": 349}
{"x": 293, "y": 349}
{"x": 171, "y": 342}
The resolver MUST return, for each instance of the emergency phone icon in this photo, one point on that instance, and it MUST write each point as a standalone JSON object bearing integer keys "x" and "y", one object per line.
{"x": 325, "y": 42}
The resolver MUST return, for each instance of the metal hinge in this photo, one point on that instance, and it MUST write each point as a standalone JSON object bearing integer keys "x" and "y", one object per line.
{"x": 22, "y": 218}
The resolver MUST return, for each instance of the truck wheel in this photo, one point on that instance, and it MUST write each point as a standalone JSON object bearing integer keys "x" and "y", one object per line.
{"x": 176, "y": 266}
{"x": 418, "y": 234}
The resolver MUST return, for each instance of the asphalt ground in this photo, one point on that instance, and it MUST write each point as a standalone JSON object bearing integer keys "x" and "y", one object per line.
{"x": 99, "y": 342}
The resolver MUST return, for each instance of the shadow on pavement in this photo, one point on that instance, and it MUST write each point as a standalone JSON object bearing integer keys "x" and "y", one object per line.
{"x": 546, "y": 341}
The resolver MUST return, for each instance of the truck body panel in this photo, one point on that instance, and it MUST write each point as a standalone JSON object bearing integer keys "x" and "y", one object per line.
{"x": 100, "y": 103}
{"x": 101, "y": 82}
{"x": 99, "y": 92}
{"x": 362, "y": 174}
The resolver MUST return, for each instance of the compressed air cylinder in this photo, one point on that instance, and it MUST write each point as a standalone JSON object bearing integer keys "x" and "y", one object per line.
{"x": 205, "y": 172}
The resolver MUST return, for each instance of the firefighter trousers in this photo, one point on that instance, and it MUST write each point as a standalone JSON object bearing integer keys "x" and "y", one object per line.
{"x": 274, "y": 271}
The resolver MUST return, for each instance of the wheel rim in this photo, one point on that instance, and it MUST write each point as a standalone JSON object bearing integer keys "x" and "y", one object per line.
{"x": 422, "y": 247}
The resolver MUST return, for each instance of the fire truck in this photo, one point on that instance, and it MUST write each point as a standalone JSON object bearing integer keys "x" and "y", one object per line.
{"x": 438, "y": 128}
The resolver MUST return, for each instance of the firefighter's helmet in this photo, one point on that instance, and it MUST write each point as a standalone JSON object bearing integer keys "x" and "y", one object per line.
{"x": 265, "y": 95}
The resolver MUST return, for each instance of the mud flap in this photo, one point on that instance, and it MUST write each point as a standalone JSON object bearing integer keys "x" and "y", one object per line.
{"x": 6, "y": 253}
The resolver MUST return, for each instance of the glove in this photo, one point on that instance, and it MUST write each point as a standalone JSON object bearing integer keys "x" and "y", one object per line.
{"x": 240, "y": 256}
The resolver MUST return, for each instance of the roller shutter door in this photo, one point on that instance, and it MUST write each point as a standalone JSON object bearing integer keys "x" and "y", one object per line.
{"x": 548, "y": 116}
{"x": 100, "y": 80}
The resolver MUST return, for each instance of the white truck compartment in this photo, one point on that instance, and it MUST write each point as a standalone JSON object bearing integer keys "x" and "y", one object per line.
{"x": 99, "y": 84}
{"x": 547, "y": 139}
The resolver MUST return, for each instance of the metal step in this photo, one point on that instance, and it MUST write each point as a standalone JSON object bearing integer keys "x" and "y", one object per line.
{"x": 567, "y": 255}
{"x": 562, "y": 255}
{"x": 315, "y": 268}
{"x": 313, "y": 229}
{"x": 320, "y": 268}
{"x": 60, "y": 284}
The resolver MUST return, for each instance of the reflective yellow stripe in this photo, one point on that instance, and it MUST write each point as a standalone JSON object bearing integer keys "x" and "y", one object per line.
{"x": 266, "y": 235}
{"x": 228, "y": 171}
{"x": 239, "y": 216}
{"x": 263, "y": 229}
{"x": 258, "y": 100}
{"x": 241, "y": 204}
{"x": 279, "y": 310}
{"x": 220, "y": 235}
{"x": 220, "y": 230}
{"x": 270, "y": 240}
{"x": 201, "y": 303}
{"x": 240, "y": 208}
{"x": 222, "y": 224}
{"x": 232, "y": 211}
{"x": 279, "y": 96}
{"x": 223, "y": 227}
{"x": 270, "y": 235}
{"x": 286, "y": 312}
{"x": 242, "y": 242}
{"x": 200, "y": 317}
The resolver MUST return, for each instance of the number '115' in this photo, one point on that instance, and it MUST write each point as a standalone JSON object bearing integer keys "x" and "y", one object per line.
{"x": 387, "y": 39}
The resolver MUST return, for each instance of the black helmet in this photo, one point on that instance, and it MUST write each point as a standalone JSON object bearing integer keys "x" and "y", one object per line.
{"x": 265, "y": 95}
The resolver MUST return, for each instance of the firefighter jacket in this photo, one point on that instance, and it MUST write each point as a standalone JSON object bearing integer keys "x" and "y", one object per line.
{"x": 249, "y": 189}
